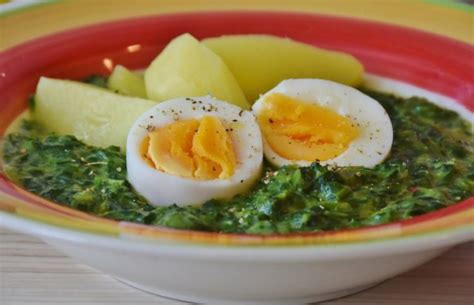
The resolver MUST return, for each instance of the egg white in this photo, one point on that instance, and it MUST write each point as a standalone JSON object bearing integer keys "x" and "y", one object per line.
{"x": 373, "y": 144}
{"x": 161, "y": 188}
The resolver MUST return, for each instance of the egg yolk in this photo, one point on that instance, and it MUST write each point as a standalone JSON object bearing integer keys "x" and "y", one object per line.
{"x": 298, "y": 131}
{"x": 199, "y": 149}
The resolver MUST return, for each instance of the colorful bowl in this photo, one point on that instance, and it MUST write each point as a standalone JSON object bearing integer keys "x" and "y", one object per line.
{"x": 225, "y": 268}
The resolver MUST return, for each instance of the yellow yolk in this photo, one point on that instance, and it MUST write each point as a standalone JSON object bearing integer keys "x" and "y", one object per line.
{"x": 296, "y": 130}
{"x": 200, "y": 149}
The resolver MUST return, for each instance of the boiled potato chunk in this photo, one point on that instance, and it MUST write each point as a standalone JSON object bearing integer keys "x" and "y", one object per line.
{"x": 126, "y": 82}
{"x": 260, "y": 62}
{"x": 187, "y": 68}
{"x": 94, "y": 115}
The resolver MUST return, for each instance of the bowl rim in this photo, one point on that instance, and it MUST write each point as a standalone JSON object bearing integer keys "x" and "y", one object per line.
{"x": 457, "y": 216}
{"x": 257, "y": 253}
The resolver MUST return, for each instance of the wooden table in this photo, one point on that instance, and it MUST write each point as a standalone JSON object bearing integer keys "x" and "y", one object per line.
{"x": 32, "y": 272}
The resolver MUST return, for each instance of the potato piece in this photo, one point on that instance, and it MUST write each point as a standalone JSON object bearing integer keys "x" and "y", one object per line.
{"x": 187, "y": 68}
{"x": 260, "y": 62}
{"x": 94, "y": 115}
{"x": 126, "y": 82}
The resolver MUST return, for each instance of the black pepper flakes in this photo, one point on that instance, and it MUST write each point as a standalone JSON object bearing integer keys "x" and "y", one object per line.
{"x": 150, "y": 128}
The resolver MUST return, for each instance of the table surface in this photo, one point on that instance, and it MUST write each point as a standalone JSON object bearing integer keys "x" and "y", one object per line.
{"x": 32, "y": 272}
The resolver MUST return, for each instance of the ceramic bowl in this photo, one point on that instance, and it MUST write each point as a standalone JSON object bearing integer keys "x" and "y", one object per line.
{"x": 230, "y": 268}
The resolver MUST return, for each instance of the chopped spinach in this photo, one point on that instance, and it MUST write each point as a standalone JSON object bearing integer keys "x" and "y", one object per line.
{"x": 97, "y": 80}
{"x": 32, "y": 103}
{"x": 430, "y": 166}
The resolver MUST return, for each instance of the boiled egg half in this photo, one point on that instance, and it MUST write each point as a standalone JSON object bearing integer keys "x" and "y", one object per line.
{"x": 312, "y": 120}
{"x": 190, "y": 150}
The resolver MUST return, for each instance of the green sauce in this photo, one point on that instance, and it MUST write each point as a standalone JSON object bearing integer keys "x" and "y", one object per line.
{"x": 430, "y": 166}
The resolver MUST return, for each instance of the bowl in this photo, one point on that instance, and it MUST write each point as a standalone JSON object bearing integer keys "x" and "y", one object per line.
{"x": 218, "y": 268}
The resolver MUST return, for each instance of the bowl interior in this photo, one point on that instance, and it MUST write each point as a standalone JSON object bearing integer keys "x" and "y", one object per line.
{"x": 428, "y": 61}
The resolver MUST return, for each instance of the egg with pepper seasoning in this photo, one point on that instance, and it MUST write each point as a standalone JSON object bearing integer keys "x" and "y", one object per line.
{"x": 190, "y": 150}
{"x": 313, "y": 120}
